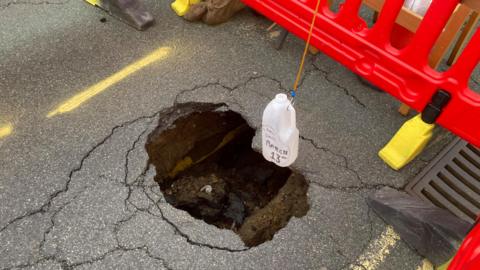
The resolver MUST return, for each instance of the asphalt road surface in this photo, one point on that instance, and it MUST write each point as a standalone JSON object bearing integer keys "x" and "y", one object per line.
{"x": 78, "y": 98}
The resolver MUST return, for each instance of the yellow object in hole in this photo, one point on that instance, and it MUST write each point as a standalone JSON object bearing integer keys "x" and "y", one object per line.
{"x": 408, "y": 142}
{"x": 93, "y": 2}
{"x": 187, "y": 162}
{"x": 181, "y": 6}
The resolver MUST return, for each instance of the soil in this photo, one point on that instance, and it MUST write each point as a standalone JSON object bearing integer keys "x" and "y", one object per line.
{"x": 205, "y": 165}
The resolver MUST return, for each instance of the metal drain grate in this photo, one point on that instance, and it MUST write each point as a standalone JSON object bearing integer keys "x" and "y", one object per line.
{"x": 452, "y": 181}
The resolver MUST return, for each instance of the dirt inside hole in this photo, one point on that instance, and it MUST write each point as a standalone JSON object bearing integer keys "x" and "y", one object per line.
{"x": 205, "y": 165}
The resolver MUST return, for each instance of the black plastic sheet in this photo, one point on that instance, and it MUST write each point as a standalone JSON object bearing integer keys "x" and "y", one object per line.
{"x": 433, "y": 232}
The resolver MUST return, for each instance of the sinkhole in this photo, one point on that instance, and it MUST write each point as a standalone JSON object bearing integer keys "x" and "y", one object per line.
{"x": 205, "y": 165}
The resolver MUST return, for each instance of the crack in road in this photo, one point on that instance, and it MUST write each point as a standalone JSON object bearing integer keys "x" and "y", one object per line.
{"x": 370, "y": 239}
{"x": 229, "y": 88}
{"x": 365, "y": 246}
{"x": 339, "y": 252}
{"x": 346, "y": 165}
{"x": 47, "y": 206}
{"x": 62, "y": 263}
{"x": 307, "y": 72}
{"x": 121, "y": 249}
{"x": 20, "y": 218}
{"x": 351, "y": 263}
{"x": 185, "y": 236}
{"x": 65, "y": 266}
{"x": 12, "y": 3}
{"x": 344, "y": 89}
{"x": 134, "y": 144}
{"x": 52, "y": 221}
{"x": 127, "y": 155}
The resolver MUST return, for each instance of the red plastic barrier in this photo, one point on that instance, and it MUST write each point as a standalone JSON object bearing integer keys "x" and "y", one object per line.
{"x": 468, "y": 256}
{"x": 405, "y": 73}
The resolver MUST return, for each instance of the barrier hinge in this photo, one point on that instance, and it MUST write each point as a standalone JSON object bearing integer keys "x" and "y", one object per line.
{"x": 433, "y": 109}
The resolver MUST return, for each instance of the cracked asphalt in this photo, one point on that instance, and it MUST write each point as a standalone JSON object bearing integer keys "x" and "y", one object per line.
{"x": 75, "y": 191}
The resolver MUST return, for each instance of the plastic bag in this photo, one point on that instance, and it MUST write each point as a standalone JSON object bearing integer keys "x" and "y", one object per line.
{"x": 433, "y": 232}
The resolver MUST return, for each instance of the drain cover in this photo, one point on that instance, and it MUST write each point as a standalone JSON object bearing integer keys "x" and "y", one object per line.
{"x": 452, "y": 180}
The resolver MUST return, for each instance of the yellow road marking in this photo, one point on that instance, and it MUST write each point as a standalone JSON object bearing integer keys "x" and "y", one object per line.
{"x": 6, "y": 130}
{"x": 99, "y": 87}
{"x": 377, "y": 251}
